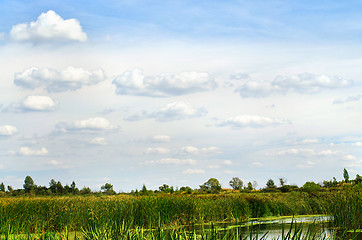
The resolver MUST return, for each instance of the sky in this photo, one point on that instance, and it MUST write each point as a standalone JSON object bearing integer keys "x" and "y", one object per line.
{"x": 177, "y": 92}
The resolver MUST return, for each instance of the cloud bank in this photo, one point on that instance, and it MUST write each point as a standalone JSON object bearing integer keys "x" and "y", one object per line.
{"x": 304, "y": 83}
{"x": 91, "y": 124}
{"x": 171, "y": 112}
{"x": 163, "y": 85}
{"x": 255, "y": 121}
{"x": 69, "y": 79}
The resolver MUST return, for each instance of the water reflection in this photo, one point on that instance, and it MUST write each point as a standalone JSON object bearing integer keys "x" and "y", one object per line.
{"x": 274, "y": 229}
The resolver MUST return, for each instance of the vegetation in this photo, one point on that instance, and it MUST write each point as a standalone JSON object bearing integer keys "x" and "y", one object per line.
{"x": 106, "y": 213}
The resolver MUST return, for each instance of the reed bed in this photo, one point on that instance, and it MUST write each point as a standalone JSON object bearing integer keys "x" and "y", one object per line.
{"x": 57, "y": 214}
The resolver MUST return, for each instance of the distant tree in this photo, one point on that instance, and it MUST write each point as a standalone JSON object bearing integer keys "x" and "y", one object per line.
{"x": 85, "y": 190}
{"x": 311, "y": 187}
{"x": 236, "y": 183}
{"x": 164, "y": 188}
{"x": 2, "y": 187}
{"x": 270, "y": 184}
{"x": 144, "y": 190}
{"x": 212, "y": 186}
{"x": 345, "y": 175}
{"x": 73, "y": 188}
{"x": 10, "y": 189}
{"x": 282, "y": 181}
{"x": 186, "y": 189}
{"x": 28, "y": 184}
{"x": 108, "y": 189}
{"x": 358, "y": 179}
{"x": 250, "y": 186}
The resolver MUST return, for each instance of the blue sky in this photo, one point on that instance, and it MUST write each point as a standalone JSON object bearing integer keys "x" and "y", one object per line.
{"x": 176, "y": 92}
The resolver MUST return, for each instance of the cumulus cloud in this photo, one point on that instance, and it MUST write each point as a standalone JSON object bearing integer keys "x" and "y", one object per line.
{"x": 305, "y": 83}
{"x": 255, "y": 121}
{"x": 239, "y": 76}
{"x": 26, "y": 151}
{"x": 348, "y": 99}
{"x": 163, "y": 85}
{"x": 161, "y": 138}
{"x": 49, "y": 27}
{"x": 358, "y": 144}
{"x": 98, "y": 141}
{"x": 69, "y": 79}
{"x": 157, "y": 150}
{"x": 195, "y": 151}
{"x": 193, "y": 171}
{"x": 33, "y": 103}
{"x": 228, "y": 162}
{"x": 91, "y": 124}
{"x": 8, "y": 130}
{"x": 350, "y": 157}
{"x": 171, "y": 112}
{"x": 172, "y": 161}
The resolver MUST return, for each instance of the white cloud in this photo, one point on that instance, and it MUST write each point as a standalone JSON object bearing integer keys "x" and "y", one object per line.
{"x": 190, "y": 150}
{"x": 310, "y": 141}
{"x": 163, "y": 85}
{"x": 303, "y": 152}
{"x": 348, "y": 99}
{"x": 99, "y": 141}
{"x": 305, "y": 83}
{"x": 161, "y": 138}
{"x": 308, "y": 164}
{"x": 172, "y": 161}
{"x": 2, "y": 36}
{"x": 69, "y": 79}
{"x": 157, "y": 150}
{"x": 38, "y": 103}
{"x": 49, "y": 27}
{"x": 358, "y": 144}
{"x": 328, "y": 152}
{"x": 349, "y": 157}
{"x": 193, "y": 171}
{"x": 228, "y": 162}
{"x": 91, "y": 124}
{"x": 171, "y": 112}
{"x": 298, "y": 152}
{"x": 26, "y": 151}
{"x": 8, "y": 130}
{"x": 239, "y": 76}
{"x": 257, "y": 164}
{"x": 251, "y": 121}
{"x": 195, "y": 151}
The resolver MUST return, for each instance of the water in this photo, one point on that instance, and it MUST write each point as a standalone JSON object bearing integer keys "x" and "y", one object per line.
{"x": 273, "y": 229}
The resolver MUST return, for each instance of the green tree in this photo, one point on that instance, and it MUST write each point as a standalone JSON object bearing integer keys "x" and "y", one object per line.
{"x": 108, "y": 189}
{"x": 270, "y": 184}
{"x": 2, "y": 187}
{"x": 311, "y": 187}
{"x": 250, "y": 186}
{"x": 282, "y": 181}
{"x": 212, "y": 185}
{"x": 345, "y": 175}
{"x": 164, "y": 188}
{"x": 28, "y": 184}
{"x": 236, "y": 183}
{"x": 358, "y": 179}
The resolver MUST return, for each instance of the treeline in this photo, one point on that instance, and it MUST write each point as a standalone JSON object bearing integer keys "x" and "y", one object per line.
{"x": 211, "y": 186}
